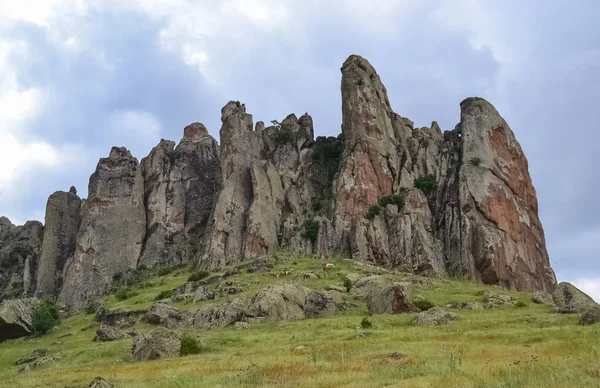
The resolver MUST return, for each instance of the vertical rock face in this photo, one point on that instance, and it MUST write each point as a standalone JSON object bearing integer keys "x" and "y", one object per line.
{"x": 240, "y": 147}
{"x": 62, "y": 224}
{"x": 384, "y": 191}
{"x": 19, "y": 254}
{"x": 502, "y": 238}
{"x": 113, "y": 225}
{"x": 181, "y": 186}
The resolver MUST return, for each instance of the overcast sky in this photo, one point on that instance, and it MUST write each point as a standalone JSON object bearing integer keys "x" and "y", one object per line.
{"x": 77, "y": 77}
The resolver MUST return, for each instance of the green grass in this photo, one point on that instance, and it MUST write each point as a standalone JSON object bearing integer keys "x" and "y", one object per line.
{"x": 507, "y": 347}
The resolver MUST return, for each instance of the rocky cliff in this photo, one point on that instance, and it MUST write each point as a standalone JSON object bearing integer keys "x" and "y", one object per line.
{"x": 458, "y": 202}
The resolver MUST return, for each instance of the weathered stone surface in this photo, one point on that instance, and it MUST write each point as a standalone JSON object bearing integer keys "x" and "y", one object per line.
{"x": 321, "y": 304}
{"x": 203, "y": 293}
{"x": 181, "y": 188}
{"x": 590, "y": 316}
{"x": 36, "y": 354}
{"x": 15, "y": 317}
{"x": 99, "y": 382}
{"x": 42, "y": 360}
{"x": 215, "y": 316}
{"x": 108, "y": 333}
{"x": 19, "y": 255}
{"x": 468, "y": 306}
{"x": 157, "y": 344}
{"x": 113, "y": 226}
{"x": 61, "y": 226}
{"x": 569, "y": 299}
{"x": 433, "y": 317}
{"x": 541, "y": 297}
{"x": 501, "y": 237}
{"x": 383, "y": 296}
{"x": 283, "y": 301}
{"x": 495, "y": 300}
{"x": 169, "y": 316}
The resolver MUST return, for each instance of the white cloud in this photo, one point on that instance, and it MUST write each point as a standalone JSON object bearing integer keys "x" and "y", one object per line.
{"x": 139, "y": 131}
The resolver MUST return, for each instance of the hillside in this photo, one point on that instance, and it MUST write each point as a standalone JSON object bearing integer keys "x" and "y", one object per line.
{"x": 518, "y": 344}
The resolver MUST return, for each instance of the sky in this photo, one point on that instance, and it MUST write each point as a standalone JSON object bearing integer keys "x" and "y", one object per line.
{"x": 77, "y": 77}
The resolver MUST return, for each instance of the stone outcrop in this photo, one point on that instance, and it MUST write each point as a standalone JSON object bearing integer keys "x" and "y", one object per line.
{"x": 19, "y": 255}
{"x": 113, "y": 226}
{"x": 15, "y": 317}
{"x": 157, "y": 344}
{"x": 416, "y": 199}
{"x": 181, "y": 187}
{"x": 383, "y": 296}
{"x": 569, "y": 299}
{"x": 61, "y": 226}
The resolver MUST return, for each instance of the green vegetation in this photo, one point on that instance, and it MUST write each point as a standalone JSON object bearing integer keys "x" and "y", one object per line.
{"x": 164, "y": 271}
{"x": 124, "y": 293}
{"x": 425, "y": 183}
{"x": 423, "y": 304}
{"x": 310, "y": 230}
{"x": 365, "y": 323}
{"x": 328, "y": 152}
{"x": 282, "y": 134}
{"x": 45, "y": 317}
{"x": 394, "y": 199}
{"x": 520, "y": 304}
{"x": 373, "y": 212}
{"x": 190, "y": 345}
{"x": 508, "y": 347}
{"x": 198, "y": 275}
{"x": 166, "y": 294}
{"x": 348, "y": 284}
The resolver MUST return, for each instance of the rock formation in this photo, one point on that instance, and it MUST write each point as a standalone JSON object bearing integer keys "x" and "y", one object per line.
{"x": 113, "y": 226}
{"x": 61, "y": 226}
{"x": 181, "y": 187}
{"x": 458, "y": 202}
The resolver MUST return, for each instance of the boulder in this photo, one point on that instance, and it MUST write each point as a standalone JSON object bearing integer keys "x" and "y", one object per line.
{"x": 282, "y": 301}
{"x": 99, "y": 382}
{"x": 15, "y": 317}
{"x": 569, "y": 299}
{"x": 39, "y": 362}
{"x": 203, "y": 293}
{"x": 36, "y": 354}
{"x": 215, "y": 316}
{"x": 435, "y": 316}
{"x": 108, "y": 333}
{"x": 590, "y": 316}
{"x": 157, "y": 344}
{"x": 468, "y": 306}
{"x": 383, "y": 296}
{"x": 541, "y": 297}
{"x": 165, "y": 315}
{"x": 321, "y": 304}
{"x": 494, "y": 300}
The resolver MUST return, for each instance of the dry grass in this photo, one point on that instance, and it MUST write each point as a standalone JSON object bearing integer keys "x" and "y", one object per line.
{"x": 511, "y": 347}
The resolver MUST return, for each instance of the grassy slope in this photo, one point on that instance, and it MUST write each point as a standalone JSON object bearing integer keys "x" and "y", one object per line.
{"x": 511, "y": 347}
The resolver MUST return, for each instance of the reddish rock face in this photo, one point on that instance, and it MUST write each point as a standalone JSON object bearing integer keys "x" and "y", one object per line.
{"x": 501, "y": 234}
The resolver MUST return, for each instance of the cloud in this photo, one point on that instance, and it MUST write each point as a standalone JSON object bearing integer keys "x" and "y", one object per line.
{"x": 137, "y": 129}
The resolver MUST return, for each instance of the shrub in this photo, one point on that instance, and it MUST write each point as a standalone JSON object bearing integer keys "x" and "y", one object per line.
{"x": 348, "y": 284}
{"x": 425, "y": 183}
{"x": 423, "y": 304}
{"x": 45, "y": 317}
{"x": 198, "y": 275}
{"x": 317, "y": 206}
{"x": 189, "y": 346}
{"x": 395, "y": 199}
{"x": 164, "y": 271}
{"x": 520, "y": 304}
{"x": 282, "y": 133}
{"x": 310, "y": 230}
{"x": 124, "y": 293}
{"x": 92, "y": 307}
{"x": 163, "y": 295}
{"x": 365, "y": 323}
{"x": 373, "y": 212}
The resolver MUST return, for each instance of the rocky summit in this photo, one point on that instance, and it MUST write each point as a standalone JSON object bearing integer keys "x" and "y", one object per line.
{"x": 458, "y": 202}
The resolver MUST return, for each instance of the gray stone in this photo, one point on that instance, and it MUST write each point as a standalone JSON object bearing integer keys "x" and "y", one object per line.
{"x": 99, "y": 382}
{"x": 569, "y": 299}
{"x": 61, "y": 226}
{"x": 282, "y": 301}
{"x": 215, "y": 316}
{"x": 495, "y": 300}
{"x": 15, "y": 318}
{"x": 203, "y": 293}
{"x": 157, "y": 344}
{"x": 113, "y": 226}
{"x": 590, "y": 316}
{"x": 541, "y": 297}
{"x": 468, "y": 306}
{"x": 383, "y": 296}
{"x": 433, "y": 317}
{"x": 169, "y": 316}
